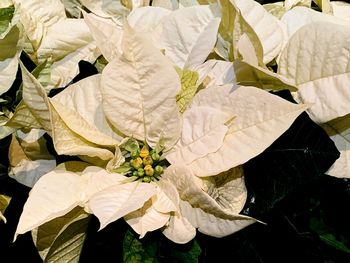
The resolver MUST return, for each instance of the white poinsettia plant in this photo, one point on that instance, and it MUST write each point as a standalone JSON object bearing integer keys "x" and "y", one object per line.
{"x": 180, "y": 102}
{"x": 157, "y": 167}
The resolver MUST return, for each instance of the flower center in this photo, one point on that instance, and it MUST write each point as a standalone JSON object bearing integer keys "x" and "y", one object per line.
{"x": 141, "y": 161}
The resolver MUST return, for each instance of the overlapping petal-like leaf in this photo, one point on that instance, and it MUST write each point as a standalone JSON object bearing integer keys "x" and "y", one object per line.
{"x": 316, "y": 59}
{"x": 139, "y": 89}
{"x": 250, "y": 133}
{"x": 189, "y": 35}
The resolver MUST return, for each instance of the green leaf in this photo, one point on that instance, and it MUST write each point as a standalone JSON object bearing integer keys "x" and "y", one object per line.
{"x": 189, "y": 88}
{"x": 61, "y": 239}
{"x": 136, "y": 251}
{"x": 328, "y": 234}
{"x": 187, "y": 253}
{"x": 6, "y": 15}
{"x": 156, "y": 248}
{"x": 131, "y": 145}
{"x": 124, "y": 168}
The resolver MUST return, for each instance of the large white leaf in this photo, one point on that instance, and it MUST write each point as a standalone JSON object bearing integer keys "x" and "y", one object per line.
{"x": 38, "y": 15}
{"x": 34, "y": 96}
{"x": 106, "y": 8}
{"x": 339, "y": 132}
{"x": 227, "y": 188}
{"x": 28, "y": 172}
{"x": 146, "y": 219}
{"x": 146, "y": 19}
{"x": 189, "y": 35}
{"x": 77, "y": 124}
{"x": 179, "y": 230}
{"x": 260, "y": 118}
{"x": 190, "y": 190}
{"x": 54, "y": 195}
{"x": 67, "y": 141}
{"x": 67, "y": 42}
{"x": 215, "y": 72}
{"x": 252, "y": 75}
{"x": 210, "y": 224}
{"x": 139, "y": 92}
{"x": 232, "y": 26}
{"x": 9, "y": 56}
{"x": 107, "y": 34}
{"x": 89, "y": 108}
{"x": 316, "y": 58}
{"x": 201, "y": 209}
{"x": 341, "y": 9}
{"x": 64, "y": 124}
{"x": 62, "y": 238}
{"x": 268, "y": 28}
{"x": 100, "y": 180}
{"x": 167, "y": 199}
{"x": 299, "y": 16}
{"x": 117, "y": 201}
{"x": 58, "y": 192}
{"x": 203, "y": 132}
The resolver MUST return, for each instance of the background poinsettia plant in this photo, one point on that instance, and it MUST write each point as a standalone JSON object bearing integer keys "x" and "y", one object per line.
{"x": 175, "y": 128}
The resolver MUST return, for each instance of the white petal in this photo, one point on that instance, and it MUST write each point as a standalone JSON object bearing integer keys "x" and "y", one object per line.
{"x": 106, "y": 8}
{"x": 66, "y": 43}
{"x": 28, "y": 172}
{"x": 139, "y": 90}
{"x": 268, "y": 29}
{"x": 341, "y": 9}
{"x": 203, "y": 132}
{"x": 9, "y": 59}
{"x": 146, "y": 219}
{"x": 54, "y": 195}
{"x": 212, "y": 225}
{"x": 260, "y": 119}
{"x": 189, "y": 188}
{"x": 107, "y": 34}
{"x": 299, "y": 16}
{"x": 317, "y": 57}
{"x": 117, "y": 201}
{"x": 179, "y": 230}
{"x": 34, "y": 96}
{"x": 189, "y": 35}
{"x": 66, "y": 141}
{"x": 215, "y": 72}
{"x": 100, "y": 180}
{"x": 167, "y": 198}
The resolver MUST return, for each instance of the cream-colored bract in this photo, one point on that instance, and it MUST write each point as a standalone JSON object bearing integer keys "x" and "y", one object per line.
{"x": 135, "y": 97}
{"x": 269, "y": 30}
{"x": 299, "y": 16}
{"x": 10, "y": 51}
{"x": 316, "y": 58}
{"x": 141, "y": 103}
{"x": 189, "y": 35}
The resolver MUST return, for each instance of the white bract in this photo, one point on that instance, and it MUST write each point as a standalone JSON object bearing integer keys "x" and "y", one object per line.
{"x": 135, "y": 98}
{"x": 53, "y": 38}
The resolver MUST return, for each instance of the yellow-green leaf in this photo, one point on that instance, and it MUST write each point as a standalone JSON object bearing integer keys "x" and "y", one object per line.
{"x": 61, "y": 239}
{"x": 189, "y": 86}
{"x": 4, "y": 202}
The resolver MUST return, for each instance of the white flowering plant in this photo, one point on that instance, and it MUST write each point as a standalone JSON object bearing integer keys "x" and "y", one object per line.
{"x": 187, "y": 120}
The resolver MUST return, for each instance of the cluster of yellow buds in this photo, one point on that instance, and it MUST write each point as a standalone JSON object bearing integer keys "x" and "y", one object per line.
{"x": 143, "y": 163}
